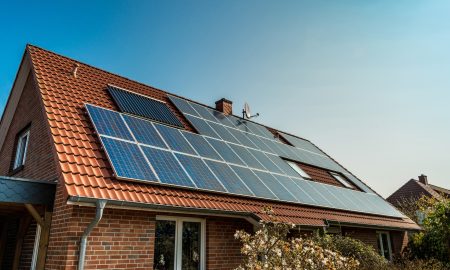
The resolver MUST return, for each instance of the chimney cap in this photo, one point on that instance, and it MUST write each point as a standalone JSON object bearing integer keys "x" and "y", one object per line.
{"x": 224, "y": 100}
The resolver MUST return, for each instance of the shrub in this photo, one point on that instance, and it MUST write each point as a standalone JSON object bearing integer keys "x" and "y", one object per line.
{"x": 269, "y": 248}
{"x": 366, "y": 255}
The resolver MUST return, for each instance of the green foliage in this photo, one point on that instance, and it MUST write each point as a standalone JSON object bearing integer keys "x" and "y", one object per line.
{"x": 366, "y": 255}
{"x": 434, "y": 241}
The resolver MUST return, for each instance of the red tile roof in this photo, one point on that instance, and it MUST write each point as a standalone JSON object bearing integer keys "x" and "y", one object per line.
{"x": 86, "y": 172}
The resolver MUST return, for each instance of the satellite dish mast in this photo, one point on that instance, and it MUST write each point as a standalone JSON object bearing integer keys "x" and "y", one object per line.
{"x": 246, "y": 112}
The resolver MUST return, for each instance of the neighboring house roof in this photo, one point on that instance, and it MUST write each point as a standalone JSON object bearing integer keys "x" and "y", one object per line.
{"x": 86, "y": 172}
{"x": 416, "y": 189}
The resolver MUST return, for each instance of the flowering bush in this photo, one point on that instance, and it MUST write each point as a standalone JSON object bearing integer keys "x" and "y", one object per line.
{"x": 269, "y": 248}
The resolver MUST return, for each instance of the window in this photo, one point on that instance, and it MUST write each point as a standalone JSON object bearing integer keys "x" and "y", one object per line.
{"x": 384, "y": 245}
{"x": 21, "y": 150}
{"x": 298, "y": 169}
{"x": 341, "y": 179}
{"x": 179, "y": 243}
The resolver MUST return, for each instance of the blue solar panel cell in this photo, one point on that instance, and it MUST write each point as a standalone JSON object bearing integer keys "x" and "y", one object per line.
{"x": 253, "y": 182}
{"x": 167, "y": 167}
{"x": 246, "y": 156}
{"x": 283, "y": 165}
{"x": 224, "y": 133}
{"x": 326, "y": 191}
{"x": 228, "y": 178}
{"x": 203, "y": 148}
{"x": 174, "y": 139}
{"x": 242, "y": 138}
{"x": 108, "y": 123}
{"x": 202, "y": 127}
{"x": 295, "y": 190}
{"x": 127, "y": 160}
{"x": 141, "y": 105}
{"x": 183, "y": 105}
{"x": 225, "y": 151}
{"x": 222, "y": 118}
{"x": 203, "y": 112}
{"x": 275, "y": 186}
{"x": 265, "y": 161}
{"x": 309, "y": 189}
{"x": 260, "y": 144}
{"x": 200, "y": 173}
{"x": 144, "y": 131}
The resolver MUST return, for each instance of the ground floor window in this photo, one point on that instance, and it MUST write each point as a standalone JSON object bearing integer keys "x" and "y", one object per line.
{"x": 179, "y": 243}
{"x": 384, "y": 245}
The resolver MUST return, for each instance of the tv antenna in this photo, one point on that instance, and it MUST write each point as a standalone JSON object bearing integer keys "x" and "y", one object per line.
{"x": 246, "y": 112}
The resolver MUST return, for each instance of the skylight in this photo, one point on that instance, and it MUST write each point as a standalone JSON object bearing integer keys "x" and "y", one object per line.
{"x": 298, "y": 169}
{"x": 341, "y": 179}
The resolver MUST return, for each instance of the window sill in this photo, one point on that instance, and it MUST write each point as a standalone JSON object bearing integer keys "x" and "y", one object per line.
{"x": 16, "y": 170}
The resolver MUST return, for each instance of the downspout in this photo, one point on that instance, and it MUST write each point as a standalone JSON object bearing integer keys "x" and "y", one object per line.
{"x": 100, "y": 205}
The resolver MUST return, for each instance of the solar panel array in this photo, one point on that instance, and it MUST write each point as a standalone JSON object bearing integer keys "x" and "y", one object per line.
{"x": 143, "y": 150}
{"x": 143, "y": 106}
{"x": 212, "y": 123}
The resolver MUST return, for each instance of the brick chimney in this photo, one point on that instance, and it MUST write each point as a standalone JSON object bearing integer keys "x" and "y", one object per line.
{"x": 224, "y": 105}
{"x": 423, "y": 179}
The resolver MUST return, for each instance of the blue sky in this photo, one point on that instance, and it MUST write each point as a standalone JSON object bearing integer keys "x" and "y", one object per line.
{"x": 367, "y": 81}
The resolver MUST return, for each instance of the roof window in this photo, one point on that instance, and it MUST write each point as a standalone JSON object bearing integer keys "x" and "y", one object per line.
{"x": 298, "y": 169}
{"x": 341, "y": 179}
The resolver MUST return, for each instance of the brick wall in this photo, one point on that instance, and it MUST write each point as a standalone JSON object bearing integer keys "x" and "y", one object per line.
{"x": 222, "y": 249}
{"x": 39, "y": 163}
{"x": 27, "y": 247}
{"x": 367, "y": 236}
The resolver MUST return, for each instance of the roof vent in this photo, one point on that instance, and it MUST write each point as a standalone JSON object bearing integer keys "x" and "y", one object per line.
{"x": 75, "y": 69}
{"x": 225, "y": 106}
{"x": 423, "y": 179}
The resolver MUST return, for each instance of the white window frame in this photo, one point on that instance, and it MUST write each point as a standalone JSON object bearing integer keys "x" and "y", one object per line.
{"x": 341, "y": 180}
{"x": 36, "y": 247}
{"x": 178, "y": 238}
{"x": 297, "y": 168}
{"x": 380, "y": 241}
{"x": 17, "y": 160}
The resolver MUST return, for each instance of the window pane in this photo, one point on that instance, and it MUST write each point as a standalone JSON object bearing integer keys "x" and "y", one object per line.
{"x": 191, "y": 246}
{"x": 164, "y": 245}
{"x": 386, "y": 254}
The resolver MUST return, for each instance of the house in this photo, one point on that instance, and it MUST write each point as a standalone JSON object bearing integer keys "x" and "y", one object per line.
{"x": 103, "y": 172}
{"x": 415, "y": 189}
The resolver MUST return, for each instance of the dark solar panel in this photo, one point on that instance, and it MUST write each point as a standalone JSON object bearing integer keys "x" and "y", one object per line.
{"x": 242, "y": 137}
{"x": 203, "y": 148}
{"x": 295, "y": 190}
{"x": 253, "y": 182}
{"x": 174, "y": 139}
{"x": 246, "y": 156}
{"x": 228, "y": 178}
{"x": 274, "y": 185}
{"x": 143, "y": 106}
{"x": 127, "y": 160}
{"x": 224, "y": 133}
{"x": 225, "y": 151}
{"x": 200, "y": 173}
{"x": 108, "y": 123}
{"x": 202, "y": 126}
{"x": 144, "y": 131}
{"x": 265, "y": 161}
{"x": 283, "y": 165}
{"x": 167, "y": 167}
{"x": 183, "y": 105}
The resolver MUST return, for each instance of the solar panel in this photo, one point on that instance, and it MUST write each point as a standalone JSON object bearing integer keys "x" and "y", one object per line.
{"x": 265, "y": 161}
{"x": 295, "y": 190}
{"x": 274, "y": 185}
{"x": 200, "y": 173}
{"x": 167, "y": 167}
{"x": 223, "y": 131}
{"x": 127, "y": 160}
{"x": 240, "y": 123}
{"x": 144, "y": 131}
{"x": 253, "y": 182}
{"x": 183, "y": 105}
{"x": 174, "y": 139}
{"x": 202, "y": 127}
{"x": 108, "y": 122}
{"x": 246, "y": 156}
{"x": 203, "y": 112}
{"x": 137, "y": 150}
{"x": 301, "y": 143}
{"x": 143, "y": 106}
{"x": 203, "y": 148}
{"x": 222, "y": 118}
{"x": 228, "y": 178}
{"x": 283, "y": 165}
{"x": 225, "y": 151}
{"x": 242, "y": 138}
